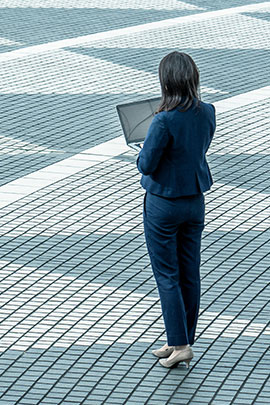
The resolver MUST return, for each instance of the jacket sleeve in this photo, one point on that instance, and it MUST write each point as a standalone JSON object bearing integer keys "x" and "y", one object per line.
{"x": 214, "y": 119}
{"x": 154, "y": 145}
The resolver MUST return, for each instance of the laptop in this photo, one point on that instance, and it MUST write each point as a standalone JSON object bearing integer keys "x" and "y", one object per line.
{"x": 136, "y": 118}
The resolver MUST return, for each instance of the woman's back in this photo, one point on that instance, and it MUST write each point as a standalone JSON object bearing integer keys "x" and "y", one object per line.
{"x": 173, "y": 161}
{"x": 191, "y": 131}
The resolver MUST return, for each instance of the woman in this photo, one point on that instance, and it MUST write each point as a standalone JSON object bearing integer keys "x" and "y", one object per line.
{"x": 175, "y": 174}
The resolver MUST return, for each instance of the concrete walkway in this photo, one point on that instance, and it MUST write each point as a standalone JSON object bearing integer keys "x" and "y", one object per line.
{"x": 79, "y": 307}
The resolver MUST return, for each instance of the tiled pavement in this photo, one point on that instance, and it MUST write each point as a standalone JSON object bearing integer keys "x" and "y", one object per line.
{"x": 79, "y": 307}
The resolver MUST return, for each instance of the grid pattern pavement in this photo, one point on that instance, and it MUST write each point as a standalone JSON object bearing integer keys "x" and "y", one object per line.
{"x": 79, "y": 306}
{"x": 79, "y": 82}
{"x": 40, "y": 21}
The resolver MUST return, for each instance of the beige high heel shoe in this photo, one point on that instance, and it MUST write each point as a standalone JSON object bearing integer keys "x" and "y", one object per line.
{"x": 177, "y": 356}
{"x": 163, "y": 352}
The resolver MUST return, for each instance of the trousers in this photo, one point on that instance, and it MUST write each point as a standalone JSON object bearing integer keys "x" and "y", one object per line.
{"x": 173, "y": 229}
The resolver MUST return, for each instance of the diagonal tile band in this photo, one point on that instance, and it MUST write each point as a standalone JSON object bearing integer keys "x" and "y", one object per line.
{"x": 39, "y": 179}
{"x": 24, "y": 52}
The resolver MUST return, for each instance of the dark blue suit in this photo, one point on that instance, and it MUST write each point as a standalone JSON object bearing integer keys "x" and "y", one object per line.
{"x": 175, "y": 174}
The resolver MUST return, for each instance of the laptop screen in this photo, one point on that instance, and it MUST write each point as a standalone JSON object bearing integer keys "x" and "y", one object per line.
{"x": 136, "y": 118}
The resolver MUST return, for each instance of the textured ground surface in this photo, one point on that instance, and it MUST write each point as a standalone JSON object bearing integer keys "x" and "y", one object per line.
{"x": 79, "y": 307}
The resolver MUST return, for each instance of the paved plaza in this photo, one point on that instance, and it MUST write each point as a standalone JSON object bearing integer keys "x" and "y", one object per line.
{"x": 80, "y": 312}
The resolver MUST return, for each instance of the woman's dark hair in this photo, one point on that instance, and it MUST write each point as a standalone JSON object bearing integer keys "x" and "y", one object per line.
{"x": 179, "y": 79}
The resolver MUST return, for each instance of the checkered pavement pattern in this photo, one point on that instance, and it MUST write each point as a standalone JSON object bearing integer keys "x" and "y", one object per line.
{"x": 80, "y": 312}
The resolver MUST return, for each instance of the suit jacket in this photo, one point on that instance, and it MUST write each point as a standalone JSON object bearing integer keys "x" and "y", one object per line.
{"x": 172, "y": 160}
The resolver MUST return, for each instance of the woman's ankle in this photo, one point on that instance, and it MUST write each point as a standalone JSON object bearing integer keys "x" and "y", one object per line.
{"x": 183, "y": 347}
